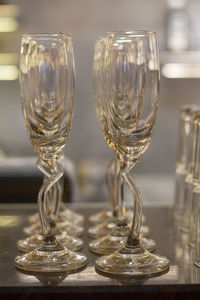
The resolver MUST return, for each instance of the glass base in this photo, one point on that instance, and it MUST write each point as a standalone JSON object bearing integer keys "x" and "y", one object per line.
{"x": 106, "y": 215}
{"x": 66, "y": 226}
{"x": 101, "y": 216}
{"x": 50, "y": 261}
{"x": 133, "y": 263}
{"x": 100, "y": 230}
{"x": 63, "y": 215}
{"x": 110, "y": 244}
{"x": 71, "y": 216}
{"x": 34, "y": 241}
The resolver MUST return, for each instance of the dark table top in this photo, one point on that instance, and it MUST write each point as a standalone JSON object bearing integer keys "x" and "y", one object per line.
{"x": 181, "y": 282}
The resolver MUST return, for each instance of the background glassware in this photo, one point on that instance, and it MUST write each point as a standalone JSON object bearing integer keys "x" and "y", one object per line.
{"x": 184, "y": 158}
{"x": 128, "y": 109}
{"x": 191, "y": 177}
{"x": 197, "y": 225}
{"x": 193, "y": 200}
{"x": 47, "y": 91}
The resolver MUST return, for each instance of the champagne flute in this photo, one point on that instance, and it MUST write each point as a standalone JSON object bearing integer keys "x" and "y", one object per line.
{"x": 112, "y": 233}
{"x": 128, "y": 109}
{"x": 47, "y": 91}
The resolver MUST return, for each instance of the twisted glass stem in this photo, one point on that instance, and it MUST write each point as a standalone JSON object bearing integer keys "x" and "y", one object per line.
{"x": 50, "y": 187}
{"x": 124, "y": 178}
{"x": 133, "y": 238}
{"x": 111, "y": 180}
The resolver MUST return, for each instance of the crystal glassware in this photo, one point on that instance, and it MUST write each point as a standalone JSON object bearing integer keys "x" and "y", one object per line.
{"x": 47, "y": 91}
{"x": 128, "y": 110}
{"x": 193, "y": 196}
{"x": 191, "y": 174}
{"x": 64, "y": 213}
{"x": 34, "y": 240}
{"x": 184, "y": 161}
{"x": 107, "y": 214}
{"x": 111, "y": 234}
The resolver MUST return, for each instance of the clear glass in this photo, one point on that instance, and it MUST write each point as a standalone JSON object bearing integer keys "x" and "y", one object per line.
{"x": 111, "y": 234}
{"x": 54, "y": 198}
{"x": 127, "y": 113}
{"x": 106, "y": 214}
{"x": 184, "y": 163}
{"x": 197, "y": 226}
{"x": 47, "y": 90}
{"x": 194, "y": 190}
{"x": 64, "y": 213}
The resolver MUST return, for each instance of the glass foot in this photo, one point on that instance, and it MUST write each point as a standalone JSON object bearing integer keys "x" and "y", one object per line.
{"x": 66, "y": 226}
{"x": 100, "y": 230}
{"x": 71, "y": 216}
{"x": 134, "y": 263}
{"x": 110, "y": 244}
{"x": 34, "y": 241}
{"x": 58, "y": 260}
{"x": 64, "y": 215}
{"x": 101, "y": 216}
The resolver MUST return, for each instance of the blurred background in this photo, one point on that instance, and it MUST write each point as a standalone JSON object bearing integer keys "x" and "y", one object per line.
{"x": 177, "y": 23}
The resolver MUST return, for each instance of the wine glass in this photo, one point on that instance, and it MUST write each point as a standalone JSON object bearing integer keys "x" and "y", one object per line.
{"x": 47, "y": 91}
{"x": 128, "y": 110}
{"x": 112, "y": 233}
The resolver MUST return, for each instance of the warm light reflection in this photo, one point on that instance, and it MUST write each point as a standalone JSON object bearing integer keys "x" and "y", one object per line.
{"x": 9, "y": 221}
{"x": 8, "y": 73}
{"x": 26, "y": 278}
{"x": 9, "y": 11}
{"x": 171, "y": 276}
{"x": 8, "y": 25}
{"x": 9, "y": 59}
{"x": 181, "y": 70}
{"x": 89, "y": 274}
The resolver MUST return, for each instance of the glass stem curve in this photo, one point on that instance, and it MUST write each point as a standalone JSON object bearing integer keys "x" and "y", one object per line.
{"x": 53, "y": 172}
{"x": 133, "y": 237}
{"x": 110, "y": 181}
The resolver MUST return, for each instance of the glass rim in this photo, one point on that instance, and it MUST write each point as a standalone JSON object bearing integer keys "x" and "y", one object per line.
{"x": 47, "y": 35}
{"x": 140, "y": 32}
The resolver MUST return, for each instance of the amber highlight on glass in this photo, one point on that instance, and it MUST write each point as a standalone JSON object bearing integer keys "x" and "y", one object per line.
{"x": 128, "y": 111}
{"x": 47, "y": 85}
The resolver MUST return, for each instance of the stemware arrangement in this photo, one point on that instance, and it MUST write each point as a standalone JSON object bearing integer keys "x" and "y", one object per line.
{"x": 47, "y": 92}
{"x": 126, "y": 92}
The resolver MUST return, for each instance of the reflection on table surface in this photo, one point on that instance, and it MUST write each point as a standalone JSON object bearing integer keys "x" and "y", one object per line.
{"x": 170, "y": 242}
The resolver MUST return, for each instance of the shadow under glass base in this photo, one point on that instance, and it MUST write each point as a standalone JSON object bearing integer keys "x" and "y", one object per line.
{"x": 134, "y": 263}
{"x": 66, "y": 226}
{"x": 30, "y": 243}
{"x": 110, "y": 244}
{"x": 58, "y": 260}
